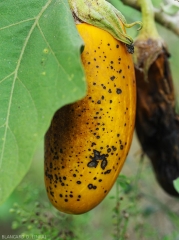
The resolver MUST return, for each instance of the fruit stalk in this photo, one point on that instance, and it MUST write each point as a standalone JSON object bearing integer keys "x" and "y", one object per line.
{"x": 149, "y": 28}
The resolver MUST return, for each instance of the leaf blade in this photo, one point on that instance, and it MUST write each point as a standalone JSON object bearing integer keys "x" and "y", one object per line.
{"x": 42, "y": 71}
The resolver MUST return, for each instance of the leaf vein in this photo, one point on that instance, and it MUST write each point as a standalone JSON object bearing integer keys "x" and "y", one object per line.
{"x": 6, "y": 77}
{"x": 17, "y": 23}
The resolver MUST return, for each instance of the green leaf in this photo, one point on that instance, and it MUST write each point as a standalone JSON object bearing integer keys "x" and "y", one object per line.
{"x": 41, "y": 71}
{"x": 176, "y": 184}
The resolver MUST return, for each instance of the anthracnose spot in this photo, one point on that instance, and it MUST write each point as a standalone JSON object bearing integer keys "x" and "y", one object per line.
{"x": 112, "y": 78}
{"x": 118, "y": 91}
{"x": 90, "y": 186}
{"x": 92, "y": 164}
{"x": 93, "y": 144}
{"x": 52, "y": 193}
{"x": 97, "y": 156}
{"x": 114, "y": 148}
{"x": 107, "y": 172}
{"x": 104, "y": 163}
{"x": 108, "y": 150}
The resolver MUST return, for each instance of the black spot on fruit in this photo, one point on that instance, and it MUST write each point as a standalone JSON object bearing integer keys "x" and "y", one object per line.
{"x": 90, "y": 186}
{"x": 114, "y": 148}
{"x": 118, "y": 91}
{"x": 97, "y": 157}
{"x": 52, "y": 193}
{"x": 92, "y": 164}
{"x": 104, "y": 163}
{"x": 93, "y": 144}
{"x": 112, "y": 78}
{"x": 107, "y": 172}
{"x": 109, "y": 150}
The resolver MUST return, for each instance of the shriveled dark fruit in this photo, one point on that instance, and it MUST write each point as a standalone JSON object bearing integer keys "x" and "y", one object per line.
{"x": 157, "y": 124}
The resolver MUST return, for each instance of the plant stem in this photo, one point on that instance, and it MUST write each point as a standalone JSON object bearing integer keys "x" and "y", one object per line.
{"x": 118, "y": 211}
{"x": 149, "y": 27}
{"x": 167, "y": 21}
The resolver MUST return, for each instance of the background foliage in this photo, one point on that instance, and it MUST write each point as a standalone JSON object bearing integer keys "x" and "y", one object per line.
{"x": 136, "y": 208}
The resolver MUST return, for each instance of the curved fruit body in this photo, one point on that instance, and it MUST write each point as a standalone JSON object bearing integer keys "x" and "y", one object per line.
{"x": 88, "y": 141}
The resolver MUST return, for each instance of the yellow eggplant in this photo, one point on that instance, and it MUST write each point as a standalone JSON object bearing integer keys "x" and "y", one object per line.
{"x": 88, "y": 141}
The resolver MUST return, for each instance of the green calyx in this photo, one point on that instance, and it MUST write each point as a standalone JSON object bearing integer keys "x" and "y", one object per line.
{"x": 102, "y": 14}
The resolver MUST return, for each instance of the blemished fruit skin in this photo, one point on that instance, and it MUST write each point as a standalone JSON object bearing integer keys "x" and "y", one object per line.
{"x": 157, "y": 123}
{"x": 88, "y": 141}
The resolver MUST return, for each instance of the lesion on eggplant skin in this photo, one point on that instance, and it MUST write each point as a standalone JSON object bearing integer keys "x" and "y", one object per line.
{"x": 96, "y": 158}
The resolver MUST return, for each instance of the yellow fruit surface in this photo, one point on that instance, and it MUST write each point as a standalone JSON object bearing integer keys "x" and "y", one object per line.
{"x": 88, "y": 141}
